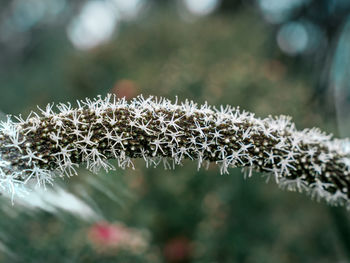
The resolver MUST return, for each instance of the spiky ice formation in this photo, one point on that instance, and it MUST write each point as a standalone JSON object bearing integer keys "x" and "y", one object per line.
{"x": 159, "y": 131}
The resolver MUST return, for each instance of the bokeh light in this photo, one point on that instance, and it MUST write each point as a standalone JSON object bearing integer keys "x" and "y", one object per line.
{"x": 293, "y": 38}
{"x": 129, "y": 8}
{"x": 277, "y": 11}
{"x": 94, "y": 25}
{"x": 201, "y": 7}
{"x": 27, "y": 13}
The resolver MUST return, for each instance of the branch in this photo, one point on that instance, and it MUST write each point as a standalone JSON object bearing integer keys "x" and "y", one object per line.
{"x": 55, "y": 144}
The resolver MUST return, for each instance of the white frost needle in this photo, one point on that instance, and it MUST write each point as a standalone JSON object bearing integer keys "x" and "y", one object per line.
{"x": 159, "y": 131}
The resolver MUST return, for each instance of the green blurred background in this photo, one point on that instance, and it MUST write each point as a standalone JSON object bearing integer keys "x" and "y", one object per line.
{"x": 266, "y": 56}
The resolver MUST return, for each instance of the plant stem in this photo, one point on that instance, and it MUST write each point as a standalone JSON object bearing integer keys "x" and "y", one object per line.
{"x": 160, "y": 131}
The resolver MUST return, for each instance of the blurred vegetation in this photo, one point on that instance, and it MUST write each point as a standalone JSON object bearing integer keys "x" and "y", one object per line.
{"x": 190, "y": 216}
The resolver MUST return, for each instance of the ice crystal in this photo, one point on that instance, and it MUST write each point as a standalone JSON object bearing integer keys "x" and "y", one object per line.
{"x": 41, "y": 147}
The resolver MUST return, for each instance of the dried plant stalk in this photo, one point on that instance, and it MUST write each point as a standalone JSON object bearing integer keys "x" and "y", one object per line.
{"x": 159, "y": 131}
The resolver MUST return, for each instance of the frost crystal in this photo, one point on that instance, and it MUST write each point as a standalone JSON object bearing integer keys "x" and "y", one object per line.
{"x": 40, "y": 148}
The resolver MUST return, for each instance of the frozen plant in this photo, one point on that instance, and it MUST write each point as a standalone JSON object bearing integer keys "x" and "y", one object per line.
{"x": 51, "y": 144}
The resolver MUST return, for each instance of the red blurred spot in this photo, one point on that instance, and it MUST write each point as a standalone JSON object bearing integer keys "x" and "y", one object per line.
{"x": 177, "y": 250}
{"x": 125, "y": 88}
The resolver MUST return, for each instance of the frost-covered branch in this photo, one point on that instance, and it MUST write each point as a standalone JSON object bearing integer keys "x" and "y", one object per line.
{"x": 49, "y": 144}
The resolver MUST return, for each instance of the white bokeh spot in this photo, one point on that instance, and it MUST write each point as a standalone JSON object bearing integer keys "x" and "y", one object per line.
{"x": 201, "y": 7}
{"x": 94, "y": 25}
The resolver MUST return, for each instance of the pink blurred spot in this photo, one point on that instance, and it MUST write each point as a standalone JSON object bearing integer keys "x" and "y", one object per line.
{"x": 106, "y": 234}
